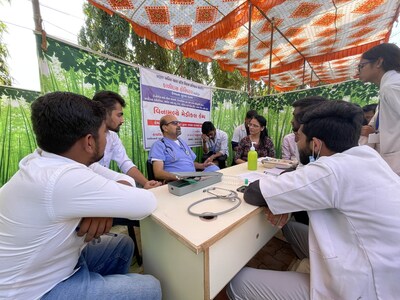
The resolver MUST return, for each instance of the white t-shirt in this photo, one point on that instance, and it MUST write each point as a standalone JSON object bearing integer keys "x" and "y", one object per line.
{"x": 116, "y": 151}
{"x": 219, "y": 144}
{"x": 239, "y": 133}
{"x": 353, "y": 201}
{"x": 40, "y": 209}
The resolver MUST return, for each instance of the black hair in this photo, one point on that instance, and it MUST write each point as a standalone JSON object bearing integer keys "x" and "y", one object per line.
{"x": 370, "y": 107}
{"x": 390, "y": 53}
{"x": 336, "y": 122}
{"x": 305, "y": 103}
{"x": 109, "y": 99}
{"x": 251, "y": 113}
{"x": 367, "y": 108}
{"x": 263, "y": 133}
{"x": 60, "y": 119}
{"x": 206, "y": 127}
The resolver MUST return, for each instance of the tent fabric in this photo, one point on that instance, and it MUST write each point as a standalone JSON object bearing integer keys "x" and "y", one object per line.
{"x": 313, "y": 42}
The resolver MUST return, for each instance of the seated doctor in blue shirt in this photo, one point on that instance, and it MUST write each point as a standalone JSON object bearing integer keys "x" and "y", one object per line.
{"x": 172, "y": 154}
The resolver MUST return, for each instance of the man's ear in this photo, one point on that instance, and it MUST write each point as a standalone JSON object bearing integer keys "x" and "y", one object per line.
{"x": 89, "y": 143}
{"x": 317, "y": 144}
{"x": 379, "y": 62}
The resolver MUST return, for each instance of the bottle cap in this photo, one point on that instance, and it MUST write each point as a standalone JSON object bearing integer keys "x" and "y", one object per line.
{"x": 252, "y": 146}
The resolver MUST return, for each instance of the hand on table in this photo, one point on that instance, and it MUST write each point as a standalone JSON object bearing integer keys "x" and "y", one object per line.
{"x": 152, "y": 184}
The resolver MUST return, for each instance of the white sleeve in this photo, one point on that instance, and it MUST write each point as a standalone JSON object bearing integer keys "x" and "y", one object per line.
{"x": 78, "y": 192}
{"x": 120, "y": 157}
{"x": 110, "y": 174}
{"x": 389, "y": 125}
{"x": 312, "y": 187}
{"x": 224, "y": 143}
{"x": 236, "y": 135}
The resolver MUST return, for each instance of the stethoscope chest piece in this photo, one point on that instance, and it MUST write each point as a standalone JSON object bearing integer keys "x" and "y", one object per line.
{"x": 227, "y": 195}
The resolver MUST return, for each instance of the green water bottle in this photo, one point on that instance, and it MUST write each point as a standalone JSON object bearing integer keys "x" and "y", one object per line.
{"x": 252, "y": 157}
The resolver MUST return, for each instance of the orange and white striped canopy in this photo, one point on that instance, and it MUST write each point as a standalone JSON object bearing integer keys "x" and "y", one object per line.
{"x": 313, "y": 42}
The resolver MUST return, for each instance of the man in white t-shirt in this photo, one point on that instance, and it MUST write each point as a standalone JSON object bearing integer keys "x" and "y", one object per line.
{"x": 114, "y": 104}
{"x": 58, "y": 201}
{"x": 352, "y": 198}
{"x": 215, "y": 144}
{"x": 242, "y": 130}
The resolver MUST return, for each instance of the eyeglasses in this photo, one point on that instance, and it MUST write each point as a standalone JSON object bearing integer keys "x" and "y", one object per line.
{"x": 361, "y": 65}
{"x": 175, "y": 123}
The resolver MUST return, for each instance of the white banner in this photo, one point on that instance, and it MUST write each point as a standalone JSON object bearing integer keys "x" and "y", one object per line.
{"x": 165, "y": 94}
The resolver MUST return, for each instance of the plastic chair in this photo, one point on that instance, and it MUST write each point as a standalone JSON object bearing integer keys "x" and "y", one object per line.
{"x": 150, "y": 172}
{"x": 131, "y": 224}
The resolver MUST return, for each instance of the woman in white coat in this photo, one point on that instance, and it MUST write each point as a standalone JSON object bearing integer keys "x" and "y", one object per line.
{"x": 381, "y": 65}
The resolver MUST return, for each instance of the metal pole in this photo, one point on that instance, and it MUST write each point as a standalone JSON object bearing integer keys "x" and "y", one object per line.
{"x": 249, "y": 52}
{"x": 280, "y": 32}
{"x": 37, "y": 16}
{"x": 270, "y": 54}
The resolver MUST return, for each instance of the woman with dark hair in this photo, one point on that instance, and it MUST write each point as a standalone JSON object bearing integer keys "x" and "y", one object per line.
{"x": 259, "y": 136}
{"x": 381, "y": 65}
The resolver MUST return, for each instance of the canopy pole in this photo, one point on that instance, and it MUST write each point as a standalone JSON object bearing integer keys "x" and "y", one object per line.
{"x": 181, "y": 64}
{"x": 304, "y": 71}
{"x": 37, "y": 18}
{"x": 311, "y": 79}
{"x": 284, "y": 36}
{"x": 249, "y": 51}
{"x": 270, "y": 53}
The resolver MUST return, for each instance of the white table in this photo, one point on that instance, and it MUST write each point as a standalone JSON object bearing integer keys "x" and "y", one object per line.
{"x": 195, "y": 258}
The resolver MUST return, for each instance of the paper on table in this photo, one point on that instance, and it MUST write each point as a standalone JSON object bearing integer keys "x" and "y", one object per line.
{"x": 274, "y": 171}
{"x": 252, "y": 176}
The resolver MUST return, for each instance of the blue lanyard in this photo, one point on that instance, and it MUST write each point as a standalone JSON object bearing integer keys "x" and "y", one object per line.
{"x": 377, "y": 122}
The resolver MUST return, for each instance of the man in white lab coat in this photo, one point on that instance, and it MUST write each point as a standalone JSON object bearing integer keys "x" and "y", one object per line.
{"x": 352, "y": 198}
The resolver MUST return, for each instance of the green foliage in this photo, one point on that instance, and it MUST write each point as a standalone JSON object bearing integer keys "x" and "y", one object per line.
{"x": 150, "y": 55}
{"x": 5, "y": 78}
{"x": 16, "y": 135}
{"x": 65, "y": 68}
{"x": 105, "y": 33}
{"x": 195, "y": 71}
{"x": 228, "y": 111}
{"x": 229, "y": 80}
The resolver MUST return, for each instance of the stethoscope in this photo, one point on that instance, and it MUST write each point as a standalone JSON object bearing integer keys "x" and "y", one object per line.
{"x": 170, "y": 151}
{"x": 231, "y": 196}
